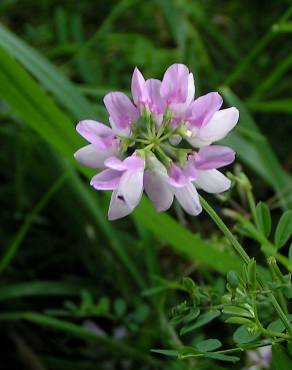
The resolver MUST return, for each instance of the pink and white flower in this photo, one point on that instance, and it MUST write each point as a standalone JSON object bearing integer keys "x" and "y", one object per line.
{"x": 103, "y": 144}
{"x": 139, "y": 151}
{"x": 125, "y": 178}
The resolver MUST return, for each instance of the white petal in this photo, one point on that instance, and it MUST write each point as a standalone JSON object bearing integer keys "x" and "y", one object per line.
{"x": 118, "y": 208}
{"x": 212, "y": 181}
{"x": 131, "y": 186}
{"x": 158, "y": 191}
{"x": 218, "y": 127}
{"x": 189, "y": 199}
{"x": 91, "y": 156}
{"x": 191, "y": 89}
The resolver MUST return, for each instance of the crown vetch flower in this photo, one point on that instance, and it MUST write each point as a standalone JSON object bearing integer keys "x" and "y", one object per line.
{"x": 150, "y": 144}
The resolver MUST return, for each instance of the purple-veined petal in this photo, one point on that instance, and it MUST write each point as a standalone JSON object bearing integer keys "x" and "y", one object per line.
{"x": 134, "y": 162}
{"x": 158, "y": 191}
{"x": 218, "y": 127}
{"x": 139, "y": 88}
{"x": 157, "y": 104}
{"x": 91, "y": 156}
{"x": 202, "y": 109}
{"x": 215, "y": 156}
{"x": 118, "y": 208}
{"x": 131, "y": 186}
{"x": 188, "y": 198}
{"x": 115, "y": 164}
{"x": 212, "y": 181}
{"x": 121, "y": 110}
{"x": 106, "y": 180}
{"x": 177, "y": 177}
{"x": 96, "y": 133}
{"x": 174, "y": 86}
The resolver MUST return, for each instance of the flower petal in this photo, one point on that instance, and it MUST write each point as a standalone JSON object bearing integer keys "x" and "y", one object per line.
{"x": 202, "y": 109}
{"x": 106, "y": 180}
{"x": 188, "y": 198}
{"x": 176, "y": 177}
{"x": 157, "y": 104}
{"x": 215, "y": 156}
{"x": 139, "y": 88}
{"x": 212, "y": 181}
{"x": 118, "y": 208}
{"x": 131, "y": 186}
{"x": 218, "y": 127}
{"x": 121, "y": 110}
{"x": 96, "y": 133}
{"x": 91, "y": 156}
{"x": 158, "y": 191}
{"x": 174, "y": 86}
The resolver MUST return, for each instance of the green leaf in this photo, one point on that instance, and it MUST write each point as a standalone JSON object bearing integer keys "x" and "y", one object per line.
{"x": 263, "y": 218}
{"x": 201, "y": 321}
{"x": 239, "y": 320}
{"x": 166, "y": 352}
{"x": 40, "y": 288}
{"x": 290, "y": 253}
{"x": 78, "y": 332}
{"x": 280, "y": 359}
{"x": 242, "y": 335}
{"x": 208, "y": 345}
{"x": 222, "y": 357}
{"x": 284, "y": 229}
{"x": 277, "y": 325}
{"x": 235, "y": 310}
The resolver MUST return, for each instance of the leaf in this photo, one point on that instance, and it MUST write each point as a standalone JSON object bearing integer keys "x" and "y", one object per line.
{"x": 166, "y": 352}
{"x": 78, "y": 332}
{"x": 284, "y": 229}
{"x": 39, "y": 288}
{"x": 290, "y": 253}
{"x": 277, "y": 325}
{"x": 201, "y": 321}
{"x": 242, "y": 335}
{"x": 208, "y": 345}
{"x": 239, "y": 320}
{"x": 263, "y": 218}
{"x": 222, "y": 357}
{"x": 280, "y": 358}
{"x": 234, "y": 310}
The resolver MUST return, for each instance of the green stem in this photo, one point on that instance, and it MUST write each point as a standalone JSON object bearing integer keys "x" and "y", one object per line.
{"x": 246, "y": 259}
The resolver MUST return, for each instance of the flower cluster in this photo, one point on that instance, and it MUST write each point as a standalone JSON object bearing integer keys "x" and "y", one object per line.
{"x": 150, "y": 144}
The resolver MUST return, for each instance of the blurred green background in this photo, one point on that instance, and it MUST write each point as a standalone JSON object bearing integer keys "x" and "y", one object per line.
{"x": 78, "y": 292}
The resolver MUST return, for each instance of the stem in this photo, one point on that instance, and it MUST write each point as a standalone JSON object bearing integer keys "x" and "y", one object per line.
{"x": 221, "y": 225}
{"x": 245, "y": 257}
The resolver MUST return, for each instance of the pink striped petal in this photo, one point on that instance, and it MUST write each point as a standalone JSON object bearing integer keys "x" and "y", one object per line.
{"x": 121, "y": 110}
{"x": 157, "y": 104}
{"x": 91, "y": 156}
{"x": 96, "y": 133}
{"x": 174, "y": 86}
{"x": 215, "y": 156}
{"x": 139, "y": 88}
{"x": 177, "y": 177}
{"x": 218, "y": 127}
{"x": 203, "y": 108}
{"x": 106, "y": 180}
